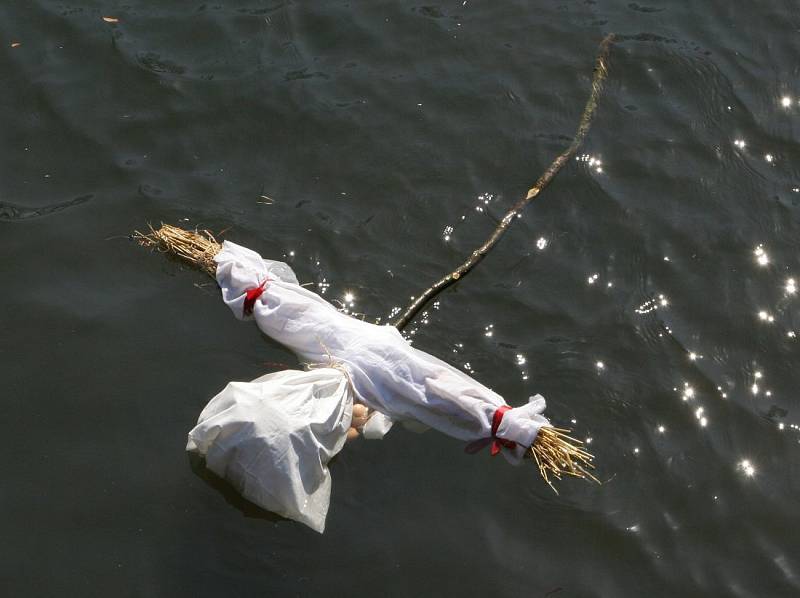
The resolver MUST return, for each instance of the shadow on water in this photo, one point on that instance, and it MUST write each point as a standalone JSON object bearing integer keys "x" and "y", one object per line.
{"x": 10, "y": 212}
{"x": 198, "y": 466}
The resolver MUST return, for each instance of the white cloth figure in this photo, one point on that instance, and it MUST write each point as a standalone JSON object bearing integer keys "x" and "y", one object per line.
{"x": 272, "y": 439}
{"x": 387, "y": 374}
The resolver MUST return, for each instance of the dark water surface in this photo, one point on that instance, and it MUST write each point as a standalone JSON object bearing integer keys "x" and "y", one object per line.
{"x": 373, "y": 127}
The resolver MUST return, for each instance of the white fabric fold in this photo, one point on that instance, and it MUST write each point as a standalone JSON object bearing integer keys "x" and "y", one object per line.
{"x": 377, "y": 426}
{"x": 522, "y": 424}
{"x": 272, "y": 439}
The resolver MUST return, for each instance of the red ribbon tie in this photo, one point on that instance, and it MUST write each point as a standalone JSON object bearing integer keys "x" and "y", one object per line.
{"x": 251, "y": 295}
{"x": 495, "y": 442}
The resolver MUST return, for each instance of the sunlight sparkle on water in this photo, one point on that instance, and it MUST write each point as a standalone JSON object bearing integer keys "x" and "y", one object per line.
{"x": 661, "y": 429}
{"x": 600, "y": 365}
{"x": 740, "y": 143}
{"x": 652, "y": 304}
{"x": 791, "y": 286}
{"x": 591, "y": 161}
{"x": 769, "y": 158}
{"x": 700, "y": 417}
{"x": 761, "y": 256}
{"x": 747, "y": 468}
{"x": 541, "y": 243}
{"x": 688, "y": 391}
{"x": 786, "y": 101}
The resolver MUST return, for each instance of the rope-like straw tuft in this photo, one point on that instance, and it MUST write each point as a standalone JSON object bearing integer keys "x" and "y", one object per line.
{"x": 197, "y": 247}
{"x": 557, "y": 454}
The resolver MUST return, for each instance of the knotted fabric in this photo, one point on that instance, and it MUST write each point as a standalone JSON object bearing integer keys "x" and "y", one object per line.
{"x": 251, "y": 295}
{"x": 496, "y": 442}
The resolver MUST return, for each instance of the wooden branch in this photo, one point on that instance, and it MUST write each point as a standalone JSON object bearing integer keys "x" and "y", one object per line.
{"x": 600, "y": 72}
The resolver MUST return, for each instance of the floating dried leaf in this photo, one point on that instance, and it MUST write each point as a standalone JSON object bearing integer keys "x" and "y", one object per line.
{"x": 16, "y": 44}
{"x": 111, "y": 19}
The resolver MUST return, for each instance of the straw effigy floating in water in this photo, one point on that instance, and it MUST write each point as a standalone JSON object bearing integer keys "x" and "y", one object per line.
{"x": 272, "y": 438}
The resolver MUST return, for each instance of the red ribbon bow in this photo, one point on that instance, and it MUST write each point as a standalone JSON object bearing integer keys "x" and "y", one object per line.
{"x": 496, "y": 443}
{"x": 250, "y": 296}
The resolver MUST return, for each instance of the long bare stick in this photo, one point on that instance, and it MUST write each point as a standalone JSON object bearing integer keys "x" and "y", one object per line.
{"x": 600, "y": 72}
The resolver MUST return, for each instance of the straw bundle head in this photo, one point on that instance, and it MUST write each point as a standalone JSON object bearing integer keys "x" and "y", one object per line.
{"x": 197, "y": 247}
{"x": 557, "y": 454}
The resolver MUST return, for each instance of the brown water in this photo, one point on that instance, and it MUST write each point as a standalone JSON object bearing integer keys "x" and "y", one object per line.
{"x": 646, "y": 295}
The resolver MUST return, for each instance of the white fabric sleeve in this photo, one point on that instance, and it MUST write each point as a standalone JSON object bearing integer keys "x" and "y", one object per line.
{"x": 243, "y": 269}
{"x": 388, "y": 375}
{"x": 377, "y": 426}
{"x": 272, "y": 439}
{"x": 522, "y": 424}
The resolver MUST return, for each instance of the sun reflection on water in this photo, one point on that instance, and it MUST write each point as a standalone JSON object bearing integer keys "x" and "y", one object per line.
{"x": 762, "y": 258}
{"x": 747, "y": 468}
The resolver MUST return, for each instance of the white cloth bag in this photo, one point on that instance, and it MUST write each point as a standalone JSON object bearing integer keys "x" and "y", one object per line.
{"x": 272, "y": 439}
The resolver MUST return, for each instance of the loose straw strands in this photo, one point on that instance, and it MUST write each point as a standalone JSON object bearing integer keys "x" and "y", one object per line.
{"x": 557, "y": 454}
{"x": 197, "y": 247}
